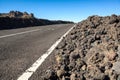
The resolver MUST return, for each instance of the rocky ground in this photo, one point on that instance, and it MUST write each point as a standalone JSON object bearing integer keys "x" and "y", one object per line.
{"x": 91, "y": 51}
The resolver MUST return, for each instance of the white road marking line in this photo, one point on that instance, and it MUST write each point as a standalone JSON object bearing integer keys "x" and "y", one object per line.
{"x": 19, "y": 33}
{"x": 28, "y": 73}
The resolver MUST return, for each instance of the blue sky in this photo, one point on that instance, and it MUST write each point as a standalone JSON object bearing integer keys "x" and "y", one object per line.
{"x": 73, "y": 10}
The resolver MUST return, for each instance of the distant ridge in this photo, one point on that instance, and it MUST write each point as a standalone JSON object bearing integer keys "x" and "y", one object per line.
{"x": 17, "y": 14}
{"x": 17, "y": 19}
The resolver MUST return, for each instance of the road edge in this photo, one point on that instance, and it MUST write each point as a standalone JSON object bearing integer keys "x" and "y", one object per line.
{"x": 28, "y": 73}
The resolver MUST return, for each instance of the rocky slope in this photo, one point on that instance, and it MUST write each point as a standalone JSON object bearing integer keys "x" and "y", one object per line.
{"x": 17, "y": 14}
{"x": 16, "y": 19}
{"x": 91, "y": 51}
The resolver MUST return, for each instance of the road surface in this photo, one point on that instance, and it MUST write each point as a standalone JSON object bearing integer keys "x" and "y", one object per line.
{"x": 20, "y": 48}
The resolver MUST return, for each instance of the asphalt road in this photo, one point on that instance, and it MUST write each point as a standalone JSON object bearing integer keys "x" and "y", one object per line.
{"x": 20, "y": 48}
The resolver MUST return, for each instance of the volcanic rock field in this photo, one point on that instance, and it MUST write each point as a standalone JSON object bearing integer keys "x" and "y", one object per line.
{"x": 91, "y": 51}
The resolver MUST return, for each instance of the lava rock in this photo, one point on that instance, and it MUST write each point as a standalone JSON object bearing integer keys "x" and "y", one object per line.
{"x": 118, "y": 77}
{"x": 50, "y": 75}
{"x": 60, "y": 73}
{"x": 73, "y": 76}
{"x": 118, "y": 52}
{"x": 116, "y": 67}
{"x": 92, "y": 50}
{"x": 74, "y": 56}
